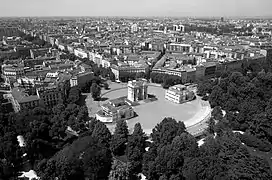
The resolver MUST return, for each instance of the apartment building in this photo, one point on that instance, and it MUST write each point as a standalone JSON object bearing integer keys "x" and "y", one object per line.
{"x": 34, "y": 53}
{"x": 81, "y": 79}
{"x": 181, "y": 48}
{"x": 49, "y": 96}
{"x": 118, "y": 70}
{"x": 179, "y": 94}
{"x": 21, "y": 100}
{"x": 80, "y": 53}
{"x": 13, "y": 70}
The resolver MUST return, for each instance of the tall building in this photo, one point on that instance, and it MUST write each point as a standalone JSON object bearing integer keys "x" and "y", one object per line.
{"x": 137, "y": 90}
{"x": 134, "y": 28}
{"x": 222, "y": 19}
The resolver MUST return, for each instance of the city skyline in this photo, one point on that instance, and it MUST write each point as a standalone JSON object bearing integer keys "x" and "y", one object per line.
{"x": 159, "y": 8}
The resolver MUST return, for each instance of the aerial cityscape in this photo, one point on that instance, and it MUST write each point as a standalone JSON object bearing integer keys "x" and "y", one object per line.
{"x": 130, "y": 93}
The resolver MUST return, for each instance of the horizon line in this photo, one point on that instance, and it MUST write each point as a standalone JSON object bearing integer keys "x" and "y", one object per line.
{"x": 129, "y": 16}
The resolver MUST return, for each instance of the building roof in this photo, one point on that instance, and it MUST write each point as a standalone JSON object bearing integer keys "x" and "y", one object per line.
{"x": 179, "y": 86}
{"x": 117, "y": 101}
{"x": 136, "y": 83}
{"x": 115, "y": 109}
{"x": 84, "y": 74}
{"x": 22, "y": 97}
{"x": 179, "y": 89}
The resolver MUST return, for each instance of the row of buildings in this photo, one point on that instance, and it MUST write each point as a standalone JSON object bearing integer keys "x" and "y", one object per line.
{"x": 39, "y": 82}
{"x": 126, "y": 46}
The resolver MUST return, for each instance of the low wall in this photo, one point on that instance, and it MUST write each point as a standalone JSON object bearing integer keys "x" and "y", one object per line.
{"x": 198, "y": 124}
{"x": 104, "y": 119}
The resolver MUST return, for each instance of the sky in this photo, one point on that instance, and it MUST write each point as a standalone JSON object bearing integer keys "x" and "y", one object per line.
{"x": 179, "y": 8}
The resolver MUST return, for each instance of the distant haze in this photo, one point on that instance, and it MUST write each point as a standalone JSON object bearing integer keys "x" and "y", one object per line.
{"x": 180, "y": 8}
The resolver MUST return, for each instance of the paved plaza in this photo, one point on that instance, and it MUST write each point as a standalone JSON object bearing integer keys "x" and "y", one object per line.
{"x": 152, "y": 113}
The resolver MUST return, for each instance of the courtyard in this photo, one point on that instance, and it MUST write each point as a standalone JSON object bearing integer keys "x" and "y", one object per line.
{"x": 151, "y": 113}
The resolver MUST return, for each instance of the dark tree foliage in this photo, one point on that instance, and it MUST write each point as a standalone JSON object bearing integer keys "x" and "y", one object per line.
{"x": 211, "y": 126}
{"x": 126, "y": 76}
{"x": 141, "y": 75}
{"x": 135, "y": 150}
{"x": 167, "y": 163}
{"x": 217, "y": 113}
{"x": 166, "y": 131}
{"x": 112, "y": 76}
{"x": 106, "y": 86}
{"x": 86, "y": 88}
{"x": 204, "y": 88}
{"x": 74, "y": 95}
{"x": 119, "y": 171}
{"x": 246, "y": 100}
{"x": 96, "y": 91}
{"x": 102, "y": 133}
{"x": 119, "y": 138}
{"x": 186, "y": 143}
{"x": 163, "y": 155}
{"x": 74, "y": 116}
{"x": 166, "y": 80}
{"x": 84, "y": 158}
{"x": 10, "y": 155}
{"x": 44, "y": 132}
{"x": 224, "y": 157}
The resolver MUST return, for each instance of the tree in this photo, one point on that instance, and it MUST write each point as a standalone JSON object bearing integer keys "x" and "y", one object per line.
{"x": 211, "y": 126}
{"x": 6, "y": 170}
{"x": 74, "y": 95}
{"x": 140, "y": 75}
{"x": 118, "y": 171}
{"x": 217, "y": 113}
{"x": 112, "y": 76}
{"x": 164, "y": 159}
{"x": 166, "y": 131}
{"x": 106, "y": 86}
{"x": 215, "y": 96}
{"x": 84, "y": 158}
{"x": 102, "y": 133}
{"x": 95, "y": 90}
{"x": 58, "y": 109}
{"x": 97, "y": 162}
{"x": 136, "y": 149}
{"x": 66, "y": 89}
{"x": 169, "y": 162}
{"x": 82, "y": 117}
{"x": 187, "y": 144}
{"x": 119, "y": 138}
{"x": 204, "y": 87}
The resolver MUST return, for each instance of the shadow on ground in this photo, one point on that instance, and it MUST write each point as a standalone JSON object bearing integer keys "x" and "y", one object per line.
{"x": 103, "y": 99}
